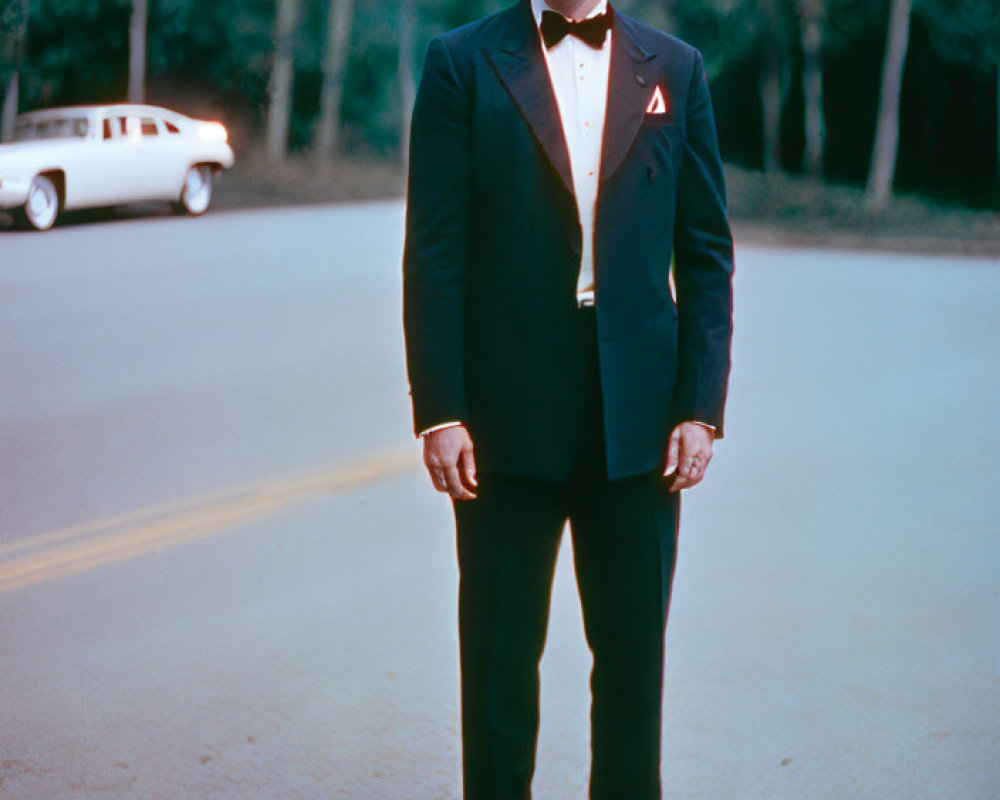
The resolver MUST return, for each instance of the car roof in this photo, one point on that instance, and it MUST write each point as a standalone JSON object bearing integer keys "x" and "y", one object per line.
{"x": 114, "y": 108}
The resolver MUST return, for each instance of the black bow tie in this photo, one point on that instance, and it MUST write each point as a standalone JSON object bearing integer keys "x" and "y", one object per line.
{"x": 592, "y": 31}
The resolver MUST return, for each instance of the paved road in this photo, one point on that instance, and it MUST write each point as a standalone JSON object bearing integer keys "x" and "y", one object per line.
{"x": 222, "y": 574}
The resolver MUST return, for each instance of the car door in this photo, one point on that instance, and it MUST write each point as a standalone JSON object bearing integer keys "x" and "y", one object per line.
{"x": 100, "y": 175}
{"x": 156, "y": 154}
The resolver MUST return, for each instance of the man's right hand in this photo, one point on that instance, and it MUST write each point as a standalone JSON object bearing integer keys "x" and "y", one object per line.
{"x": 449, "y": 460}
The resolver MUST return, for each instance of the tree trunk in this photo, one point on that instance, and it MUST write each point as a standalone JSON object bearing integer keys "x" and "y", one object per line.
{"x": 407, "y": 85}
{"x": 137, "y": 53}
{"x": 10, "y": 106}
{"x": 339, "y": 16}
{"x": 279, "y": 110}
{"x": 770, "y": 90}
{"x": 886, "y": 147}
{"x": 770, "y": 94}
{"x": 12, "y": 91}
{"x": 812, "y": 85}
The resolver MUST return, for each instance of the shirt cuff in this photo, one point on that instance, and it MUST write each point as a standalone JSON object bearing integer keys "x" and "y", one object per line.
{"x": 440, "y": 427}
{"x": 455, "y": 424}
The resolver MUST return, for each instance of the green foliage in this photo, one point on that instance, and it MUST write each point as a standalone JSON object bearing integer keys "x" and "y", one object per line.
{"x": 10, "y": 22}
{"x": 219, "y": 52}
{"x": 963, "y": 32}
{"x": 851, "y": 21}
{"x": 76, "y": 51}
{"x": 11, "y": 16}
{"x": 731, "y": 32}
{"x": 214, "y": 58}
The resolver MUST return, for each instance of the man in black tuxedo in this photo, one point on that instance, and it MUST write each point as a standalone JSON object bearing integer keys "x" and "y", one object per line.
{"x": 561, "y": 156}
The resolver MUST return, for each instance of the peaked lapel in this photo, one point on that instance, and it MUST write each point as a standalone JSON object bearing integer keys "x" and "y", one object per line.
{"x": 630, "y": 84}
{"x": 520, "y": 65}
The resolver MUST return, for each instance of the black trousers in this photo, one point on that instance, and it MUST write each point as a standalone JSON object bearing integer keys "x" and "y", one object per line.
{"x": 624, "y": 536}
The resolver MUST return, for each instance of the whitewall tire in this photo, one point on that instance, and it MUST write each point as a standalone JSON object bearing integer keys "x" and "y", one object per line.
{"x": 41, "y": 208}
{"x": 196, "y": 194}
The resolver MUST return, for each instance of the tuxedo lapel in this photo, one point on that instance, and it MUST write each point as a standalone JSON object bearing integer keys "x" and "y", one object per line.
{"x": 630, "y": 85}
{"x": 520, "y": 65}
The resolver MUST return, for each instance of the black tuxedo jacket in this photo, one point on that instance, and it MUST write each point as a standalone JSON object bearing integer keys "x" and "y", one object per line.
{"x": 493, "y": 248}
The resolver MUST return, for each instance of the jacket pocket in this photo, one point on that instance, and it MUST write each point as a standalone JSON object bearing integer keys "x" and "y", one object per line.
{"x": 659, "y": 121}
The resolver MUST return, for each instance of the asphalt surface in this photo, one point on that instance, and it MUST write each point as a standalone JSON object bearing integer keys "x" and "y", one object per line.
{"x": 223, "y": 575}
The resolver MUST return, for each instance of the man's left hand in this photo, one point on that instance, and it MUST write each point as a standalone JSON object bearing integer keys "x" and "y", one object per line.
{"x": 688, "y": 454}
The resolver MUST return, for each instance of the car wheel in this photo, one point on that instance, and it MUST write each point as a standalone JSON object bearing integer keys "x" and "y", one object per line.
{"x": 42, "y": 206}
{"x": 196, "y": 194}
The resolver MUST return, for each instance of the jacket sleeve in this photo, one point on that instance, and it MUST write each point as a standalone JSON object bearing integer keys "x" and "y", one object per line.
{"x": 703, "y": 267}
{"x": 434, "y": 256}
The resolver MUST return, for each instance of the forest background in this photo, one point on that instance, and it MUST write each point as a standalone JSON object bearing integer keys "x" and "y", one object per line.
{"x": 870, "y": 116}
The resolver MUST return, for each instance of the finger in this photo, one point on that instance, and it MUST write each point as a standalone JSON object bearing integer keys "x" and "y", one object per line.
{"x": 701, "y": 465}
{"x": 680, "y": 482}
{"x": 673, "y": 452}
{"x": 690, "y": 463}
{"x": 469, "y": 469}
{"x": 454, "y": 481}
{"x": 437, "y": 478}
{"x": 686, "y": 481}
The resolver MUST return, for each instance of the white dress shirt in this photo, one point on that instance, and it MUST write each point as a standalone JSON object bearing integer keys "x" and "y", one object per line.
{"x": 579, "y": 77}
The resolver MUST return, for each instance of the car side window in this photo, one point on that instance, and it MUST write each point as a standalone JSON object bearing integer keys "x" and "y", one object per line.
{"x": 107, "y": 129}
{"x": 129, "y": 126}
{"x": 171, "y": 128}
{"x": 149, "y": 127}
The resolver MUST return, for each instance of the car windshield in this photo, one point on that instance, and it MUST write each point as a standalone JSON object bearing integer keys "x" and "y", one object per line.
{"x": 52, "y": 128}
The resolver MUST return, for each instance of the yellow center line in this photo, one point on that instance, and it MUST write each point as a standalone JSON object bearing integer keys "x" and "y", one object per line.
{"x": 79, "y": 548}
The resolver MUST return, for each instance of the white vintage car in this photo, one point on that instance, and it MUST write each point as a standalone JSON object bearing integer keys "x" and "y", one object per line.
{"x": 99, "y": 156}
